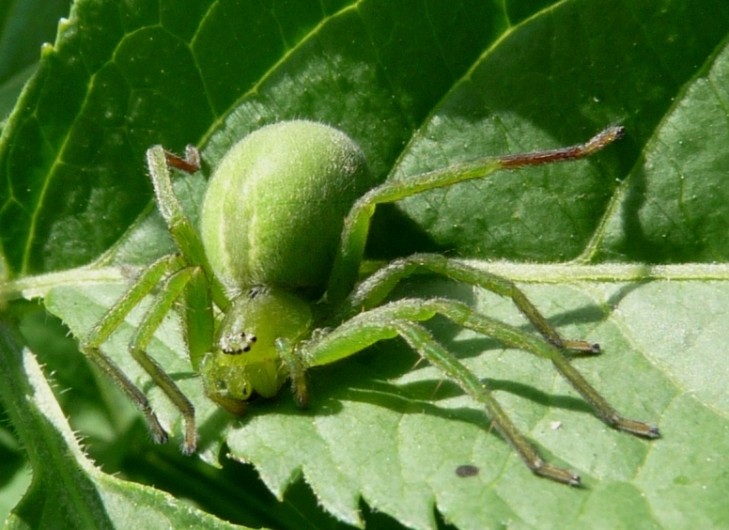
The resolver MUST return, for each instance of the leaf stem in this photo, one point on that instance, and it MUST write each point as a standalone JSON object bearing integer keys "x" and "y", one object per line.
{"x": 38, "y": 286}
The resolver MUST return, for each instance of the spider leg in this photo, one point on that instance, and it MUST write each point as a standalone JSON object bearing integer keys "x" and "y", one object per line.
{"x": 179, "y": 225}
{"x": 370, "y": 327}
{"x": 148, "y": 279}
{"x": 297, "y": 371}
{"x": 460, "y": 313}
{"x": 372, "y": 291}
{"x": 178, "y": 278}
{"x": 421, "y": 341}
{"x": 196, "y": 313}
{"x": 356, "y": 225}
{"x": 172, "y": 289}
{"x": 399, "y": 318}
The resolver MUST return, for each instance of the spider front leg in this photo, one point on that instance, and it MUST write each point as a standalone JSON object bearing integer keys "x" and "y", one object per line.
{"x": 398, "y": 318}
{"x": 186, "y": 276}
{"x": 172, "y": 289}
{"x": 178, "y": 277}
{"x": 185, "y": 236}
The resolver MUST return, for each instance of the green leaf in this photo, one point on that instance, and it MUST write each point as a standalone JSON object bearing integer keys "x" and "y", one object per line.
{"x": 386, "y": 428}
{"x": 420, "y": 85}
{"x": 67, "y": 490}
{"x": 396, "y": 435}
{"x": 672, "y": 206}
{"x": 24, "y": 26}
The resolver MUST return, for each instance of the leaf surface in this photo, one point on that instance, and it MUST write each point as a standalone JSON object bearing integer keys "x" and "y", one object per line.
{"x": 420, "y": 85}
{"x": 67, "y": 490}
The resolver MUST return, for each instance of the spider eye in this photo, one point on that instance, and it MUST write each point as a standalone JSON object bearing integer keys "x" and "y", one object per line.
{"x": 255, "y": 291}
{"x": 237, "y": 343}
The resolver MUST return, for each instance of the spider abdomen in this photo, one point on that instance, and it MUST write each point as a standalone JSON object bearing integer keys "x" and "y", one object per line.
{"x": 275, "y": 206}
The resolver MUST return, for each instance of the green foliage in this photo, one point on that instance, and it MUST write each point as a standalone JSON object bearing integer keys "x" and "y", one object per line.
{"x": 67, "y": 490}
{"x": 419, "y": 85}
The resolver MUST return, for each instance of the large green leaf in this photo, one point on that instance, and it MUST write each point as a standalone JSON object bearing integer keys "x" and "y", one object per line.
{"x": 420, "y": 85}
{"x": 387, "y": 429}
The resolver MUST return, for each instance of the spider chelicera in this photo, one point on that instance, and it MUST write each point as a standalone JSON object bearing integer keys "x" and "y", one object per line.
{"x": 269, "y": 287}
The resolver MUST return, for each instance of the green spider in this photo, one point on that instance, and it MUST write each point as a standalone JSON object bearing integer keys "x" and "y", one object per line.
{"x": 262, "y": 301}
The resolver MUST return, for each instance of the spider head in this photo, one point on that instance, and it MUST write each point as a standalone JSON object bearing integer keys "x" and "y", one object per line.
{"x": 245, "y": 359}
